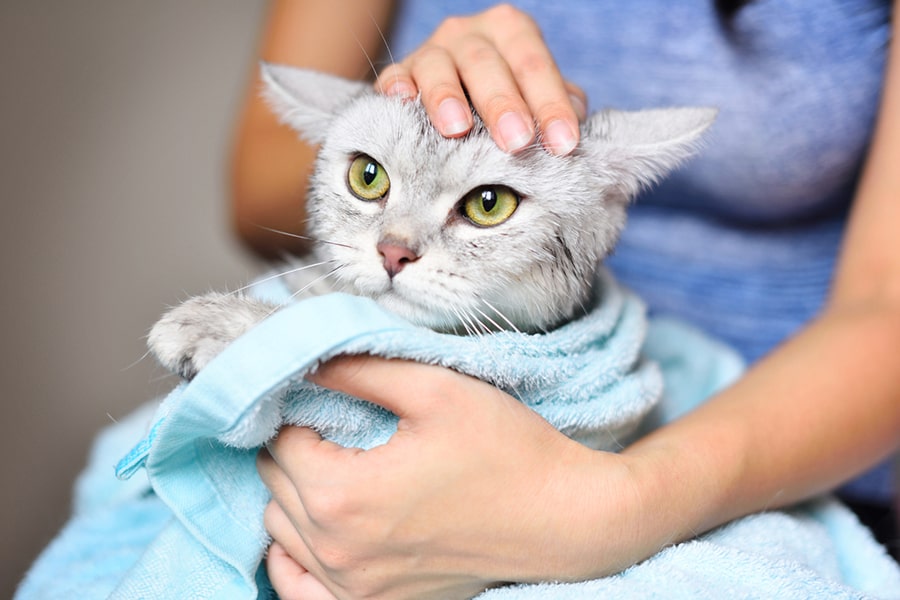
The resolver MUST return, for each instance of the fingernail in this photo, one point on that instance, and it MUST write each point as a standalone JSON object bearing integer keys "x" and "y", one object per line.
{"x": 579, "y": 106}
{"x": 453, "y": 117}
{"x": 401, "y": 89}
{"x": 559, "y": 138}
{"x": 513, "y": 131}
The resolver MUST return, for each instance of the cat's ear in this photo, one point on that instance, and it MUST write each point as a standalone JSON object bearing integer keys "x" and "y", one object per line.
{"x": 307, "y": 100}
{"x": 636, "y": 149}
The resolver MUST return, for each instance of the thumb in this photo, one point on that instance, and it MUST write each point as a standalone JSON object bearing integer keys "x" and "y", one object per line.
{"x": 407, "y": 389}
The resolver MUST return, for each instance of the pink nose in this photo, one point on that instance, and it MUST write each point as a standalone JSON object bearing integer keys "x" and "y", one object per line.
{"x": 396, "y": 256}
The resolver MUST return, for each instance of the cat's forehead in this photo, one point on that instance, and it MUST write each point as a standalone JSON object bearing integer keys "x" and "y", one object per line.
{"x": 400, "y": 135}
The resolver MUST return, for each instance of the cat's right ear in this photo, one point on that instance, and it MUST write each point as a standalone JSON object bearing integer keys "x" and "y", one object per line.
{"x": 307, "y": 100}
{"x": 637, "y": 148}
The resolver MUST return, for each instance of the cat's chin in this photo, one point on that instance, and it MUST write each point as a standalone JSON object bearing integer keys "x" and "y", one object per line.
{"x": 417, "y": 313}
{"x": 449, "y": 319}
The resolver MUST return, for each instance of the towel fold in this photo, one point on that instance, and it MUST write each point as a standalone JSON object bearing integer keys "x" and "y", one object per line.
{"x": 597, "y": 379}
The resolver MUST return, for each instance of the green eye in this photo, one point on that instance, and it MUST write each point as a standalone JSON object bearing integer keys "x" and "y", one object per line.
{"x": 489, "y": 206}
{"x": 367, "y": 179}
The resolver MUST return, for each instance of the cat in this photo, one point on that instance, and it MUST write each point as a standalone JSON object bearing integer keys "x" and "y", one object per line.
{"x": 452, "y": 234}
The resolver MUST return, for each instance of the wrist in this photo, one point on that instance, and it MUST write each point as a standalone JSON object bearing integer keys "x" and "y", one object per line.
{"x": 608, "y": 517}
{"x": 686, "y": 483}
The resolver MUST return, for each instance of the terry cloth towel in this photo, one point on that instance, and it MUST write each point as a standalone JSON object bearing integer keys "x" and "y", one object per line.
{"x": 192, "y": 527}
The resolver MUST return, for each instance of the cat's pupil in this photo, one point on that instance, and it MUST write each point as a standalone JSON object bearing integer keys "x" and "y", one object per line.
{"x": 370, "y": 172}
{"x": 488, "y": 200}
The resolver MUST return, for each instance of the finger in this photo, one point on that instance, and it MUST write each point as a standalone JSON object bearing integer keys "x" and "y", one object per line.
{"x": 295, "y": 456}
{"x": 277, "y": 481}
{"x": 396, "y": 80}
{"x": 541, "y": 84}
{"x": 290, "y": 560}
{"x": 435, "y": 75}
{"x": 484, "y": 73}
{"x": 285, "y": 519}
{"x": 290, "y": 579}
{"x": 494, "y": 92}
{"x": 283, "y": 532}
{"x": 405, "y": 388}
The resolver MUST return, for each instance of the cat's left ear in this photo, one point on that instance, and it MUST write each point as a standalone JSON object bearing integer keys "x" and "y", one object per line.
{"x": 307, "y": 100}
{"x": 636, "y": 149}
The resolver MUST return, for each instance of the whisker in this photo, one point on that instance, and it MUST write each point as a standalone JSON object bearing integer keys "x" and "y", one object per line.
{"x": 466, "y": 325}
{"x": 500, "y": 314}
{"x": 281, "y": 274}
{"x": 387, "y": 47}
{"x": 497, "y": 326}
{"x": 304, "y": 237}
{"x": 452, "y": 318}
{"x": 484, "y": 328}
{"x": 135, "y": 363}
{"x": 363, "y": 49}
{"x": 510, "y": 385}
{"x": 284, "y": 233}
{"x": 314, "y": 282}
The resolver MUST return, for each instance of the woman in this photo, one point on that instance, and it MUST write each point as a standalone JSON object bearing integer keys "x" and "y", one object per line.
{"x": 742, "y": 242}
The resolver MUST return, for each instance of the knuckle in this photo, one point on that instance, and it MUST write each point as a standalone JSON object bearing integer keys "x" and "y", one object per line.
{"x": 327, "y": 506}
{"x": 516, "y": 17}
{"x": 391, "y": 74}
{"x": 477, "y": 50}
{"x": 430, "y": 53}
{"x": 435, "y": 93}
{"x": 499, "y": 102}
{"x": 555, "y": 110}
{"x": 531, "y": 64}
{"x": 452, "y": 27}
{"x": 334, "y": 558}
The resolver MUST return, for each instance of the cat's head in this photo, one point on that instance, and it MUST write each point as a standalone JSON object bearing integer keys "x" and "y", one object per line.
{"x": 455, "y": 234}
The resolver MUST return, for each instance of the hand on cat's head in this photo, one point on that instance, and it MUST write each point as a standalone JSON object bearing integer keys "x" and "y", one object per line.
{"x": 498, "y": 61}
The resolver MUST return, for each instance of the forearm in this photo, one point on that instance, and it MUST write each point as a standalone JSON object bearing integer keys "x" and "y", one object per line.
{"x": 820, "y": 409}
{"x": 817, "y": 411}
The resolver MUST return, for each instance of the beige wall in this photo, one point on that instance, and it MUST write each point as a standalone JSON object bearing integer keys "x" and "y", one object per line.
{"x": 115, "y": 118}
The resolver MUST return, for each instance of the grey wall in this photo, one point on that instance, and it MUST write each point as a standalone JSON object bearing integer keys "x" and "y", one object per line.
{"x": 115, "y": 121}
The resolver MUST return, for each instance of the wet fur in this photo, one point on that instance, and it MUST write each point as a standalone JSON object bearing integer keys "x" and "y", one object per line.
{"x": 529, "y": 273}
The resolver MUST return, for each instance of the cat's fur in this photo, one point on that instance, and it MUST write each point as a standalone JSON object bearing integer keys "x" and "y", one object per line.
{"x": 413, "y": 251}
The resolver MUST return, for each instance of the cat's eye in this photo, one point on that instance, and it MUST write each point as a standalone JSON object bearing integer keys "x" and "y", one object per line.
{"x": 367, "y": 179}
{"x": 490, "y": 205}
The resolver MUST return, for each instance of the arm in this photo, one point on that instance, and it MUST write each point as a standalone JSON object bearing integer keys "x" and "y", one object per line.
{"x": 270, "y": 164}
{"x": 438, "y": 510}
{"x": 824, "y": 406}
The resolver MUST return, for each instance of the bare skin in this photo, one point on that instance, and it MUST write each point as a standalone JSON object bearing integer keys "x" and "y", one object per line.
{"x": 512, "y": 80}
{"x": 472, "y": 476}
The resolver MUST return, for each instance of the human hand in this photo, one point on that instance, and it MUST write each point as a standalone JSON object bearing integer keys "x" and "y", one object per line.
{"x": 498, "y": 57}
{"x": 473, "y": 489}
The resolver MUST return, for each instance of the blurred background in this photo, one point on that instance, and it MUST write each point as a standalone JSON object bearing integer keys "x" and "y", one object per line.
{"x": 115, "y": 124}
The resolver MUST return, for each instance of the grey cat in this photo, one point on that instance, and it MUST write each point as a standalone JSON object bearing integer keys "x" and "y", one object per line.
{"x": 451, "y": 234}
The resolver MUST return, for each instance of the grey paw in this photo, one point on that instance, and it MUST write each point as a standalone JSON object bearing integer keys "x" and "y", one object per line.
{"x": 189, "y": 336}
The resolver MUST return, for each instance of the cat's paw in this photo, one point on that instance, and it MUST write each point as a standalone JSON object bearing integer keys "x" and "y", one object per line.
{"x": 190, "y": 335}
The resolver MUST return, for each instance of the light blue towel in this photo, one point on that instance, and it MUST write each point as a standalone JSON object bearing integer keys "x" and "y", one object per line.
{"x": 193, "y": 527}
